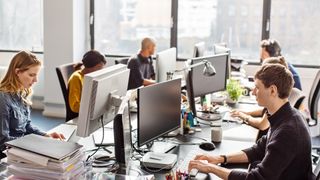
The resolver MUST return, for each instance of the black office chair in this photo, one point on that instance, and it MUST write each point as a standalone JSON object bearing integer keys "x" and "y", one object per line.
{"x": 64, "y": 72}
{"x": 123, "y": 60}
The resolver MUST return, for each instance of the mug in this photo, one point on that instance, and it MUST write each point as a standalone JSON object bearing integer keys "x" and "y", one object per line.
{"x": 246, "y": 91}
{"x": 216, "y": 134}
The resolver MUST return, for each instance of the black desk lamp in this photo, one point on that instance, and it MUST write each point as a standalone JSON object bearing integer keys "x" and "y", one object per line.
{"x": 208, "y": 69}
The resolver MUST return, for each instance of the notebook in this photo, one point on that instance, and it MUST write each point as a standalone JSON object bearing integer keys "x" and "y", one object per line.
{"x": 45, "y": 146}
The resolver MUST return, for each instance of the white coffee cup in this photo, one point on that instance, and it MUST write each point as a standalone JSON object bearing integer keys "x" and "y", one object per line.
{"x": 216, "y": 134}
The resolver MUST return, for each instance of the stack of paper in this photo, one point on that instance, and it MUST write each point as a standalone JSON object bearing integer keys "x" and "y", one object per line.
{"x": 38, "y": 157}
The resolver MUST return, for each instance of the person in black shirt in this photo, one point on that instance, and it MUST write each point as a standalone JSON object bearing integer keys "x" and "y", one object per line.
{"x": 140, "y": 65}
{"x": 285, "y": 152}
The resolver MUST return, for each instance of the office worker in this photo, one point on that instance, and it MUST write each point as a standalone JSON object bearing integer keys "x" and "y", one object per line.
{"x": 271, "y": 48}
{"x": 92, "y": 61}
{"x": 284, "y": 153}
{"x": 140, "y": 65}
{"x": 258, "y": 118}
{"x": 15, "y": 89}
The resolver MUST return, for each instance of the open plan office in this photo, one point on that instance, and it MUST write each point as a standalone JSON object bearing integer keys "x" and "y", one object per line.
{"x": 148, "y": 89}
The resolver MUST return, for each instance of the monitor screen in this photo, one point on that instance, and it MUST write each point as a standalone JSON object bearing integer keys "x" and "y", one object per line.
{"x": 98, "y": 91}
{"x": 159, "y": 109}
{"x": 166, "y": 62}
{"x": 199, "y": 49}
{"x": 200, "y": 85}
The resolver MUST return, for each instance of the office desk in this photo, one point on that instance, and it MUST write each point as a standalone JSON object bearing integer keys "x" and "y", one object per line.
{"x": 186, "y": 143}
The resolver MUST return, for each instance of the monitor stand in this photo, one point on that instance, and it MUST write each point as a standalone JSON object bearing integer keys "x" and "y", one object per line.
{"x": 209, "y": 116}
{"x": 158, "y": 160}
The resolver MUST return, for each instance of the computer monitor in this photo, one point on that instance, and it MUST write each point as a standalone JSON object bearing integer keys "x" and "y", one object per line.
{"x": 199, "y": 49}
{"x": 166, "y": 62}
{"x": 98, "y": 97}
{"x": 199, "y": 85}
{"x": 159, "y": 108}
{"x": 220, "y": 48}
{"x": 122, "y": 133}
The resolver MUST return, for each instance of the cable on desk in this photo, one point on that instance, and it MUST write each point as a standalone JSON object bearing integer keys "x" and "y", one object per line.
{"x": 102, "y": 125}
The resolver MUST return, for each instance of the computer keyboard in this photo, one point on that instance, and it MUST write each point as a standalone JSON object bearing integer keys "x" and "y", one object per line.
{"x": 184, "y": 163}
{"x": 208, "y": 116}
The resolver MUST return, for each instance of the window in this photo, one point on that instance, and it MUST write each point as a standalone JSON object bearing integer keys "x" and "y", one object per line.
{"x": 234, "y": 22}
{"x": 121, "y": 25}
{"x": 295, "y": 25}
{"x": 21, "y": 25}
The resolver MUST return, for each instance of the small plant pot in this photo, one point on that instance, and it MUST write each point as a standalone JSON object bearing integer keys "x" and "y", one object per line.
{"x": 231, "y": 102}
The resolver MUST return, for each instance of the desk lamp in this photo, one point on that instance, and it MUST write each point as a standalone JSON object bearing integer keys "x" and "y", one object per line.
{"x": 208, "y": 69}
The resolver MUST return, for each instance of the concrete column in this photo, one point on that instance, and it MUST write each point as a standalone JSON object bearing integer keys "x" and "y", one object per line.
{"x": 65, "y": 31}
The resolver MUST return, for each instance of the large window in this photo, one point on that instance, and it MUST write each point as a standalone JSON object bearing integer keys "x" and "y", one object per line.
{"x": 120, "y": 25}
{"x": 295, "y": 25}
{"x": 237, "y": 23}
{"x": 21, "y": 25}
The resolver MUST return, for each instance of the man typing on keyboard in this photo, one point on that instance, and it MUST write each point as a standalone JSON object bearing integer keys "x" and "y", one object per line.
{"x": 285, "y": 152}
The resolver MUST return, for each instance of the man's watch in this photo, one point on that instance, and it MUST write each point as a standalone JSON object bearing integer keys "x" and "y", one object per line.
{"x": 224, "y": 159}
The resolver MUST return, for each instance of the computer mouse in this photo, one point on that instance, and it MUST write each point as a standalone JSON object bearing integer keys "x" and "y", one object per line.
{"x": 208, "y": 146}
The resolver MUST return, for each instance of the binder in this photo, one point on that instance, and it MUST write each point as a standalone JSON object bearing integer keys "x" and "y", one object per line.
{"x": 52, "y": 148}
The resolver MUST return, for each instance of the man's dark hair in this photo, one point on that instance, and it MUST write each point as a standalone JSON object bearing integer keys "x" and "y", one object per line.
{"x": 278, "y": 75}
{"x": 272, "y": 46}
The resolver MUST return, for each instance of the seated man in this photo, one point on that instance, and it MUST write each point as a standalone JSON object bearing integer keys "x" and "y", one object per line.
{"x": 140, "y": 65}
{"x": 257, "y": 118}
{"x": 285, "y": 152}
{"x": 271, "y": 48}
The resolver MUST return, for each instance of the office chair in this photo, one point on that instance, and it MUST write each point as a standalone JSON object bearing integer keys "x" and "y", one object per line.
{"x": 64, "y": 72}
{"x": 296, "y": 98}
{"x": 313, "y": 100}
{"x": 316, "y": 171}
{"x": 123, "y": 60}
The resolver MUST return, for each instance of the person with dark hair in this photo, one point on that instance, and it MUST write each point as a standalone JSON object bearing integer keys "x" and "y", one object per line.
{"x": 140, "y": 65}
{"x": 15, "y": 89}
{"x": 284, "y": 153}
{"x": 271, "y": 48}
{"x": 258, "y": 118}
{"x": 92, "y": 61}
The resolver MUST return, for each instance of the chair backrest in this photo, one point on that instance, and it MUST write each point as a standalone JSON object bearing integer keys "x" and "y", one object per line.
{"x": 316, "y": 171}
{"x": 123, "y": 60}
{"x": 296, "y": 98}
{"x": 64, "y": 72}
{"x": 314, "y": 99}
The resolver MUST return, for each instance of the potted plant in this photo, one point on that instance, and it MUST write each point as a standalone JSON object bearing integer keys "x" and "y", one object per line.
{"x": 234, "y": 91}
